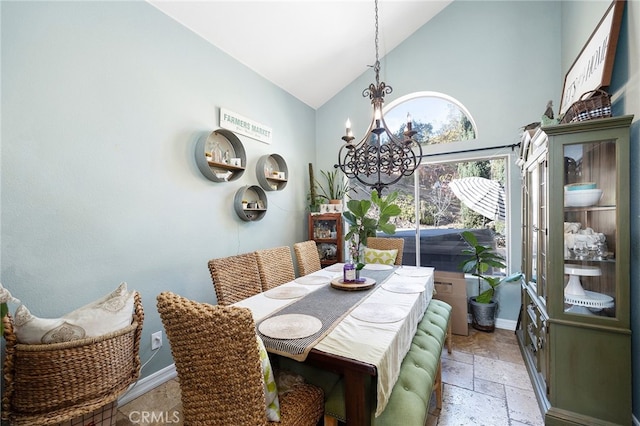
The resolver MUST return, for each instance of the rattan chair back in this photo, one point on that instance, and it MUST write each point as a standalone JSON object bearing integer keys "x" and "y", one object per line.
{"x": 307, "y": 257}
{"x": 275, "y": 266}
{"x": 219, "y": 370}
{"x": 235, "y": 277}
{"x": 53, "y": 383}
{"x": 381, "y": 243}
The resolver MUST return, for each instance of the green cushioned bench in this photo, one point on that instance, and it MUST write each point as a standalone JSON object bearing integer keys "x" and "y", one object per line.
{"x": 419, "y": 375}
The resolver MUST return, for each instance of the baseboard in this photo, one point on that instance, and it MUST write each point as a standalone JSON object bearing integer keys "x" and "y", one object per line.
{"x": 148, "y": 383}
{"x": 506, "y": 324}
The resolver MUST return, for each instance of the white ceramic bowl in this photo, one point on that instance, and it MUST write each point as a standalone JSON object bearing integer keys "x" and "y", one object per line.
{"x": 582, "y": 197}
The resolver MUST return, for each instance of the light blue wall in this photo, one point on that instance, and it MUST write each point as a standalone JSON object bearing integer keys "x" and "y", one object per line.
{"x": 102, "y": 105}
{"x": 499, "y": 59}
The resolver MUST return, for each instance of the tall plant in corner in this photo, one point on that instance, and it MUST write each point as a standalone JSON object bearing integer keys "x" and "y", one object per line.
{"x": 480, "y": 259}
{"x": 362, "y": 224}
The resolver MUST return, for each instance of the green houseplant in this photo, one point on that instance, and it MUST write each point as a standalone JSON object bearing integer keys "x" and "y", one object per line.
{"x": 335, "y": 187}
{"x": 363, "y": 224}
{"x": 480, "y": 259}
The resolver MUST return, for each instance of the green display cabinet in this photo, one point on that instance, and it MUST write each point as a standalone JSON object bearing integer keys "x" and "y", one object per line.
{"x": 574, "y": 328}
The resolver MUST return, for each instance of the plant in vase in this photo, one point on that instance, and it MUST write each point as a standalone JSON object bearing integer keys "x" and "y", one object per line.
{"x": 336, "y": 187}
{"x": 480, "y": 259}
{"x": 363, "y": 223}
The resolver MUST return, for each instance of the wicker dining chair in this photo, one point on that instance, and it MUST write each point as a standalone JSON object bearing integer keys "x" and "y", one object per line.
{"x": 380, "y": 243}
{"x": 219, "y": 369}
{"x": 275, "y": 266}
{"x": 307, "y": 257}
{"x": 235, "y": 277}
{"x": 53, "y": 383}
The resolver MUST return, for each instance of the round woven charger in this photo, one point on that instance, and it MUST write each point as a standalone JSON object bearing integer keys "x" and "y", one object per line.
{"x": 412, "y": 272}
{"x": 286, "y": 292}
{"x": 290, "y": 326}
{"x": 312, "y": 280}
{"x": 377, "y": 267}
{"x": 403, "y": 287}
{"x": 378, "y": 313}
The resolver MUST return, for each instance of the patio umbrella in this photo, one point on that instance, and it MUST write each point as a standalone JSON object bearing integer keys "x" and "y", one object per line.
{"x": 481, "y": 195}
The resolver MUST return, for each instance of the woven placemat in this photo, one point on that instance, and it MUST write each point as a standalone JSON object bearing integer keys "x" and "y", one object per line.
{"x": 290, "y": 326}
{"x": 286, "y": 292}
{"x": 378, "y": 313}
{"x": 403, "y": 287}
{"x": 312, "y": 280}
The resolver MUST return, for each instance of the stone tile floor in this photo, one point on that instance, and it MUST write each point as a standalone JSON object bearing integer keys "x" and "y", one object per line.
{"x": 485, "y": 383}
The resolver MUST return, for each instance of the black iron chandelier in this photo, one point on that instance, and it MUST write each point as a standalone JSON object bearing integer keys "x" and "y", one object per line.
{"x": 380, "y": 159}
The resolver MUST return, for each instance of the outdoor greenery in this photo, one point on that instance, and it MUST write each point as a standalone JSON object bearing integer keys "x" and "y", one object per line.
{"x": 481, "y": 259}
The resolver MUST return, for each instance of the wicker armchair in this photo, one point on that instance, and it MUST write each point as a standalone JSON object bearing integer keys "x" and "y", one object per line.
{"x": 307, "y": 257}
{"x": 380, "y": 243}
{"x": 52, "y": 383}
{"x": 218, "y": 362}
{"x": 275, "y": 266}
{"x": 235, "y": 277}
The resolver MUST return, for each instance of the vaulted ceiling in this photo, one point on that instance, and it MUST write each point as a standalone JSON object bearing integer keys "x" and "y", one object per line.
{"x": 310, "y": 48}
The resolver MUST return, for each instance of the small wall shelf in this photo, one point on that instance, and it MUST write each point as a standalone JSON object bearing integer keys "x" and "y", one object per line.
{"x": 216, "y": 153}
{"x": 272, "y": 172}
{"x": 257, "y": 203}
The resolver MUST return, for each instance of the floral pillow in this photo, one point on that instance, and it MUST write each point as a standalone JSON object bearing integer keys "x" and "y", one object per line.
{"x": 269, "y": 383}
{"x": 386, "y": 257}
{"x": 105, "y": 315}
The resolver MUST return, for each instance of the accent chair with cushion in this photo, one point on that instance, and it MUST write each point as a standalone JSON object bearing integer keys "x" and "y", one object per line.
{"x": 235, "y": 277}
{"x": 307, "y": 257}
{"x": 380, "y": 243}
{"x": 77, "y": 364}
{"x": 275, "y": 266}
{"x": 223, "y": 376}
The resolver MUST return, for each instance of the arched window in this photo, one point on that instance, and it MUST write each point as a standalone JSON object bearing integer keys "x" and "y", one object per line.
{"x": 441, "y": 212}
{"x": 436, "y": 117}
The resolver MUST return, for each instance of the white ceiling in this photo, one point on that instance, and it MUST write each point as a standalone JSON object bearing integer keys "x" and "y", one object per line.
{"x": 310, "y": 48}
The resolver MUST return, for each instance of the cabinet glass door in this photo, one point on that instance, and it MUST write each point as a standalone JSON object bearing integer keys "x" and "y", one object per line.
{"x": 590, "y": 229}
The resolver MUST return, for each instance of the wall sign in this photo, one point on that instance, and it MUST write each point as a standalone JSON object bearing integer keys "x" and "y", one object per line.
{"x": 593, "y": 66}
{"x": 238, "y": 124}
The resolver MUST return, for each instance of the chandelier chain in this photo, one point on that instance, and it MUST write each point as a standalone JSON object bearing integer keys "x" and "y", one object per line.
{"x": 376, "y": 66}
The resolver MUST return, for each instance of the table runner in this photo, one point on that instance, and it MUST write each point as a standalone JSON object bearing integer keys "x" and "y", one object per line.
{"x": 330, "y": 314}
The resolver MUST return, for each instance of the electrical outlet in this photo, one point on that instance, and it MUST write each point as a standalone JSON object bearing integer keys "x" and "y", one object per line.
{"x": 156, "y": 340}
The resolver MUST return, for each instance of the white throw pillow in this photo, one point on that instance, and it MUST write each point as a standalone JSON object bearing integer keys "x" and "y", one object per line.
{"x": 105, "y": 315}
{"x": 269, "y": 383}
{"x": 386, "y": 257}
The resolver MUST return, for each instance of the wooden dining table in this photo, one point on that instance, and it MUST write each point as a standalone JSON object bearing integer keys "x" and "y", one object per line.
{"x": 363, "y": 335}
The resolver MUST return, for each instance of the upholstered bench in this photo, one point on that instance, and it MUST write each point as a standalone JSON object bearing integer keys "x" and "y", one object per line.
{"x": 420, "y": 375}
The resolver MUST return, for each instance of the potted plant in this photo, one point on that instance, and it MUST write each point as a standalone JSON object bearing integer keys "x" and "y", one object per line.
{"x": 362, "y": 224}
{"x": 481, "y": 259}
{"x": 336, "y": 187}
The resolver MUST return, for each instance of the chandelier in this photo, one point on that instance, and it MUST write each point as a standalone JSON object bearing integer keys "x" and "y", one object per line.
{"x": 380, "y": 159}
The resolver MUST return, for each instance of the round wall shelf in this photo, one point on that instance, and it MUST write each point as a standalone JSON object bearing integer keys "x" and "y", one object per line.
{"x": 272, "y": 172}
{"x": 256, "y": 206}
{"x": 220, "y": 156}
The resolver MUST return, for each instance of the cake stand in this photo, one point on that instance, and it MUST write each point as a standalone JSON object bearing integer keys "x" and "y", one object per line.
{"x": 583, "y": 301}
